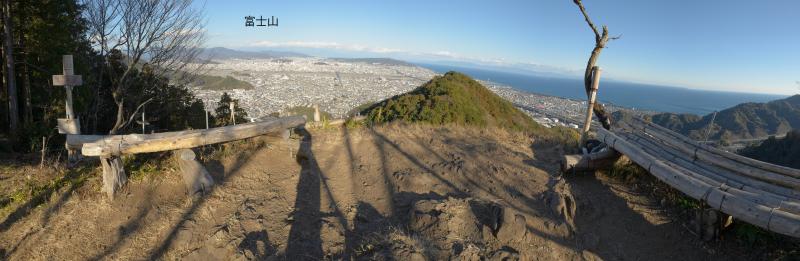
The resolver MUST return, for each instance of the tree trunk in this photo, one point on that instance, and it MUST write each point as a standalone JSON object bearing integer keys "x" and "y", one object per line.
{"x": 98, "y": 102}
{"x": 3, "y": 89}
{"x": 120, "y": 116}
{"x": 598, "y": 109}
{"x": 27, "y": 114}
{"x": 13, "y": 107}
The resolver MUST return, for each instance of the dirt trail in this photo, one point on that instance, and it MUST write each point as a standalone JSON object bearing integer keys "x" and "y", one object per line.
{"x": 395, "y": 192}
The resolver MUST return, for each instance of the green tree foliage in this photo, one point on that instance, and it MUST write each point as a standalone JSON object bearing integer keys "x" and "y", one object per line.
{"x": 43, "y": 31}
{"x": 219, "y": 83}
{"x": 170, "y": 108}
{"x": 222, "y": 114}
{"x": 452, "y": 98}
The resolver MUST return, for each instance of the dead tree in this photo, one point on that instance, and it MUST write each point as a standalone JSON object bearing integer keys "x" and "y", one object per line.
{"x": 601, "y": 39}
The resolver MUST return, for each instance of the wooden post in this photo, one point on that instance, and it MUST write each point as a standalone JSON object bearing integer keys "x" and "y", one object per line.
{"x": 206, "y": 111}
{"x": 71, "y": 125}
{"x": 44, "y": 151}
{"x": 113, "y": 175}
{"x": 195, "y": 176}
{"x": 587, "y": 124}
{"x": 316, "y": 113}
{"x": 233, "y": 113}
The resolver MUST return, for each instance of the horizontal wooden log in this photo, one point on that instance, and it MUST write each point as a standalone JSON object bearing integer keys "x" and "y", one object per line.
{"x": 143, "y": 143}
{"x": 725, "y": 154}
{"x": 589, "y": 162}
{"x": 715, "y": 159}
{"x": 758, "y": 196}
{"x": 772, "y": 219}
{"x": 721, "y": 174}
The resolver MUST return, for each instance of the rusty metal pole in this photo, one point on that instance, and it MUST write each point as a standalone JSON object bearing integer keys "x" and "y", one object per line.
{"x": 587, "y": 124}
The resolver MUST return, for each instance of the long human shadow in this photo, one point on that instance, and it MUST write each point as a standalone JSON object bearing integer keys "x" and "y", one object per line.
{"x": 304, "y": 242}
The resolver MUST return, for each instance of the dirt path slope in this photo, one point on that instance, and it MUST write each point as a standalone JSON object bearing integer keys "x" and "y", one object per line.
{"x": 395, "y": 192}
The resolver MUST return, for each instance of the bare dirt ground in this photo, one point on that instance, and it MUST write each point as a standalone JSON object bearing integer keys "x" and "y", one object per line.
{"x": 394, "y": 192}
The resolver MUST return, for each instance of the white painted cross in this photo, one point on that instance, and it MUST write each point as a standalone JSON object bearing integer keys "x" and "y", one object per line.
{"x": 70, "y": 125}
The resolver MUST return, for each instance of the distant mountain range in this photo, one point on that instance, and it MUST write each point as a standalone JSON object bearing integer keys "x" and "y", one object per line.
{"x": 384, "y": 61}
{"x": 743, "y": 121}
{"x": 221, "y": 53}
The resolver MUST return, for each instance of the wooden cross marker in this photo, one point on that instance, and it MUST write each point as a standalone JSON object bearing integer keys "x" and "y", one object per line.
{"x": 70, "y": 125}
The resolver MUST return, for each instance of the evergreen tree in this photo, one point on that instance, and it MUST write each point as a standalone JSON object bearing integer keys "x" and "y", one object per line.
{"x": 222, "y": 114}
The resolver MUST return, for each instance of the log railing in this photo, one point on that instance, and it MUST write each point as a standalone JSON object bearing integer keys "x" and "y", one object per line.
{"x": 110, "y": 148}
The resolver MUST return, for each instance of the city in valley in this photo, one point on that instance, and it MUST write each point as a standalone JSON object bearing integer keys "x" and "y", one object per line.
{"x": 338, "y": 86}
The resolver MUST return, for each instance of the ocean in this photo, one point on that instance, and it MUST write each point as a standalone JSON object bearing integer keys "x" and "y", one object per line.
{"x": 626, "y": 94}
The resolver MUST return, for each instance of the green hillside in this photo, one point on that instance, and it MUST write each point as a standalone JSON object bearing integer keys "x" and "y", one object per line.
{"x": 785, "y": 151}
{"x": 219, "y": 83}
{"x": 743, "y": 121}
{"x": 452, "y": 98}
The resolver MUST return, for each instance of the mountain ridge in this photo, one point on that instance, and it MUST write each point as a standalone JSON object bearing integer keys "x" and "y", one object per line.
{"x": 749, "y": 120}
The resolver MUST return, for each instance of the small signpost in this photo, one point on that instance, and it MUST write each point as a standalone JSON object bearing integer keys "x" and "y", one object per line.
{"x": 70, "y": 125}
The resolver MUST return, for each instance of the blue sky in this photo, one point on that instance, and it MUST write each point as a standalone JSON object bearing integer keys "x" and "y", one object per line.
{"x": 735, "y": 45}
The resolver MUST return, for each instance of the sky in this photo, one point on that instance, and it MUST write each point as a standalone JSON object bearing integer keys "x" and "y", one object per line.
{"x": 733, "y": 45}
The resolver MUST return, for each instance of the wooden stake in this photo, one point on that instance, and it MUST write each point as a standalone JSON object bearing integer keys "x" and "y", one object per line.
{"x": 233, "y": 113}
{"x": 44, "y": 150}
{"x": 587, "y": 124}
{"x": 316, "y": 113}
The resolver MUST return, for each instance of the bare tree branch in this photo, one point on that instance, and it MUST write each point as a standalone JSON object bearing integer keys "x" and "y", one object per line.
{"x": 588, "y": 20}
{"x": 135, "y": 112}
{"x": 163, "y": 34}
{"x": 601, "y": 39}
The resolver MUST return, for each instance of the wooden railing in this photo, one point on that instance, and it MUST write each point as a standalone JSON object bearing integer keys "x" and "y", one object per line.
{"x": 109, "y": 148}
